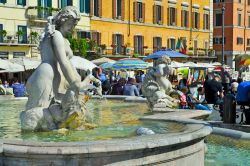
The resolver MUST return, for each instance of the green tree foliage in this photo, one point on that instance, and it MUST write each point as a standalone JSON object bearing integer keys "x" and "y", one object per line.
{"x": 85, "y": 48}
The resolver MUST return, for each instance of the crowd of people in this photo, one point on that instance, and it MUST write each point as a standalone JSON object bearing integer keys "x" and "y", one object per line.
{"x": 14, "y": 88}
{"x": 211, "y": 92}
{"x": 123, "y": 83}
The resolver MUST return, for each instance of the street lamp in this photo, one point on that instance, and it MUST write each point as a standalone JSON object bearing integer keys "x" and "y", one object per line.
{"x": 223, "y": 36}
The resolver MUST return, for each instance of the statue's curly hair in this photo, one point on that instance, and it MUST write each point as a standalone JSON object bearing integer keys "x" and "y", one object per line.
{"x": 163, "y": 59}
{"x": 65, "y": 14}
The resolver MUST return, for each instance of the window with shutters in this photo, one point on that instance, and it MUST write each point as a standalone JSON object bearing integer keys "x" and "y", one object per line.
{"x": 206, "y": 21}
{"x": 248, "y": 41}
{"x": 138, "y": 45}
{"x": 65, "y": 3}
{"x": 84, "y": 35}
{"x": 218, "y": 1}
{"x": 157, "y": 44}
{"x": 218, "y": 19}
{"x": 3, "y": 1}
{"x": 44, "y": 11}
{"x": 171, "y": 44}
{"x": 118, "y": 9}
{"x": 158, "y": 13}
{"x": 1, "y": 35}
{"x": 21, "y": 2}
{"x": 185, "y": 18}
{"x": 239, "y": 40}
{"x": 196, "y": 20}
{"x": 96, "y": 8}
{"x": 218, "y": 40}
{"x": 119, "y": 44}
{"x": 248, "y": 21}
{"x": 172, "y": 16}
{"x": 139, "y": 11}
{"x": 22, "y": 38}
{"x": 239, "y": 19}
{"x": 85, "y": 6}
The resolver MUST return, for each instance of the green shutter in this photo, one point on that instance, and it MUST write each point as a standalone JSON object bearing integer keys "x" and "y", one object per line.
{"x": 63, "y": 3}
{"x": 49, "y": 3}
{"x": 2, "y": 1}
{"x": 87, "y": 6}
{"x": 82, "y": 6}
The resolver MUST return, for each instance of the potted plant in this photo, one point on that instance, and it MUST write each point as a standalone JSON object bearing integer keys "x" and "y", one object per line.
{"x": 20, "y": 33}
{"x": 3, "y": 33}
{"x": 103, "y": 48}
{"x": 136, "y": 55}
{"x": 34, "y": 37}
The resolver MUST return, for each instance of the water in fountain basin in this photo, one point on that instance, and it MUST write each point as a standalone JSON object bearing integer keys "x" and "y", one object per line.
{"x": 114, "y": 120}
{"x": 225, "y": 151}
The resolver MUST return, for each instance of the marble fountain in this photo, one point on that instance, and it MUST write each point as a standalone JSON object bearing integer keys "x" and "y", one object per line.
{"x": 57, "y": 126}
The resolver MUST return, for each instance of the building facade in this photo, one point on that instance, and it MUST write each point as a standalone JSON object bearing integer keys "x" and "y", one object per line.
{"x": 236, "y": 29}
{"x": 22, "y": 22}
{"x": 141, "y": 27}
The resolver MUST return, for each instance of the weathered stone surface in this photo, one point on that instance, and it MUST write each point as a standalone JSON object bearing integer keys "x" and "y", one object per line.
{"x": 177, "y": 149}
{"x": 156, "y": 87}
{"x": 54, "y": 87}
{"x": 166, "y": 114}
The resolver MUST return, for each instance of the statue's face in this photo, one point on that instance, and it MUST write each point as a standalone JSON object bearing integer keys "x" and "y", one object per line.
{"x": 69, "y": 25}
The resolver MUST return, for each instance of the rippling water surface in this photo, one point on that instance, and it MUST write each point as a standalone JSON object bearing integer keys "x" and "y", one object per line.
{"x": 224, "y": 151}
{"x": 114, "y": 120}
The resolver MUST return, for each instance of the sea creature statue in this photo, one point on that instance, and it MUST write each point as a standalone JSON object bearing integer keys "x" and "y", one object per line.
{"x": 144, "y": 131}
{"x": 56, "y": 94}
{"x": 157, "y": 88}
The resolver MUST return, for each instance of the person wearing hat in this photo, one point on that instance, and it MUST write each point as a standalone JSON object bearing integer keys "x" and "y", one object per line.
{"x": 214, "y": 92}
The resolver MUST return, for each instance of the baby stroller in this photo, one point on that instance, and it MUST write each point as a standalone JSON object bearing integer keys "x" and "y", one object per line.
{"x": 243, "y": 99}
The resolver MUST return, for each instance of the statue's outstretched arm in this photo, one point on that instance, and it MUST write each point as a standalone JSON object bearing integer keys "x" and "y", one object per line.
{"x": 60, "y": 53}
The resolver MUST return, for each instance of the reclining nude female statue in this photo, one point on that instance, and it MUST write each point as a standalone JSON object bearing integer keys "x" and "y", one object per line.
{"x": 54, "y": 98}
{"x": 157, "y": 88}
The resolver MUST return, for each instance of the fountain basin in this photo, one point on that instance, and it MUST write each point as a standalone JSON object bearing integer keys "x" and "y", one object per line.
{"x": 183, "y": 148}
{"x": 182, "y": 145}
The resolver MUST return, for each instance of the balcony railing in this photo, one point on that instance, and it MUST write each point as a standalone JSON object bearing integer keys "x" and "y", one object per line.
{"x": 39, "y": 12}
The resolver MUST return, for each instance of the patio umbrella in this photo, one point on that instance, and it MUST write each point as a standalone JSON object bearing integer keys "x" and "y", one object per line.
{"x": 216, "y": 64}
{"x": 207, "y": 65}
{"x": 242, "y": 62}
{"x": 103, "y": 60}
{"x": 106, "y": 66}
{"x": 247, "y": 62}
{"x": 130, "y": 63}
{"x": 9, "y": 67}
{"x": 27, "y": 63}
{"x": 176, "y": 64}
{"x": 81, "y": 63}
{"x": 190, "y": 64}
{"x": 170, "y": 53}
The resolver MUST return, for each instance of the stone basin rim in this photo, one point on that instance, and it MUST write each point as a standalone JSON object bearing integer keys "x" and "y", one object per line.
{"x": 195, "y": 131}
